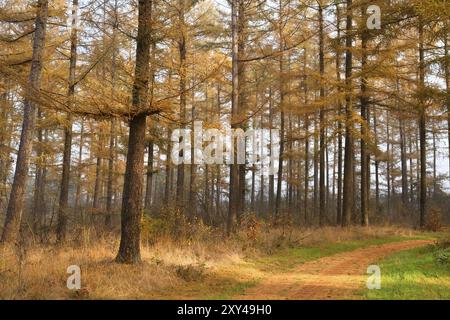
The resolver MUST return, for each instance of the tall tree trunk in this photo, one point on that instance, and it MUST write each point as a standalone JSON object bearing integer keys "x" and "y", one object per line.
{"x": 182, "y": 71}
{"x": 129, "y": 250}
{"x": 168, "y": 179}
{"x": 109, "y": 187}
{"x": 98, "y": 173}
{"x": 67, "y": 153}
{"x": 242, "y": 100}
{"x": 377, "y": 166}
{"x": 149, "y": 181}
{"x": 218, "y": 167}
{"x": 151, "y": 143}
{"x": 388, "y": 163}
{"x": 447, "y": 88}
{"x": 322, "y": 146}
{"x": 347, "y": 201}
{"x": 16, "y": 199}
{"x": 316, "y": 156}
{"x": 272, "y": 173}
{"x": 112, "y": 132}
{"x": 434, "y": 160}
{"x": 422, "y": 128}
{"x": 280, "y": 161}
{"x": 262, "y": 182}
{"x": 234, "y": 168}
{"x": 281, "y": 109}
{"x": 79, "y": 168}
{"x": 403, "y": 162}
{"x": 193, "y": 166}
{"x": 365, "y": 161}
{"x": 339, "y": 124}
{"x": 306, "y": 156}
{"x": 40, "y": 181}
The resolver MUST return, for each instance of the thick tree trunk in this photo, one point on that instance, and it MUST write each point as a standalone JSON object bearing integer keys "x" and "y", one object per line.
{"x": 129, "y": 250}
{"x": 347, "y": 201}
{"x": 16, "y": 199}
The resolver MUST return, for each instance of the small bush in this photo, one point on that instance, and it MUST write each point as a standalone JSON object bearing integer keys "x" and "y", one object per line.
{"x": 433, "y": 220}
{"x": 250, "y": 225}
{"x": 441, "y": 251}
{"x": 442, "y": 256}
{"x": 190, "y": 272}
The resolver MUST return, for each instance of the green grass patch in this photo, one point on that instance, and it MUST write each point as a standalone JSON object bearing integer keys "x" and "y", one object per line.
{"x": 234, "y": 288}
{"x": 421, "y": 273}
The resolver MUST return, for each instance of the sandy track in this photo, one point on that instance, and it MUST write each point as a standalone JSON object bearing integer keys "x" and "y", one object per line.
{"x": 330, "y": 278}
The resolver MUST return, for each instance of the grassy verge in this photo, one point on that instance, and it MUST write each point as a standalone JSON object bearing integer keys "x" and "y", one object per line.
{"x": 421, "y": 273}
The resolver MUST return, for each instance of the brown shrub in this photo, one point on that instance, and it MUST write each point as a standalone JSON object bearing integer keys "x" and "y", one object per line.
{"x": 433, "y": 221}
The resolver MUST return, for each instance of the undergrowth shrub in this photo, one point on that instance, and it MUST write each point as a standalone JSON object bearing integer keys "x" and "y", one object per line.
{"x": 191, "y": 272}
{"x": 433, "y": 220}
{"x": 441, "y": 251}
{"x": 250, "y": 226}
{"x": 173, "y": 223}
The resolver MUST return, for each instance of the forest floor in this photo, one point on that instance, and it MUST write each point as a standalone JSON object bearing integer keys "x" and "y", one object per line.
{"x": 327, "y": 263}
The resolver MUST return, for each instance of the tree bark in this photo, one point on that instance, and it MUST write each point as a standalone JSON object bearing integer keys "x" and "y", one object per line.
{"x": 182, "y": 71}
{"x": 67, "y": 153}
{"x": 79, "y": 168}
{"x": 306, "y": 156}
{"x": 129, "y": 250}
{"x": 234, "y": 167}
{"x": 339, "y": 124}
{"x": 16, "y": 200}
{"x": 347, "y": 201}
{"x": 322, "y": 145}
{"x": 365, "y": 164}
{"x": 422, "y": 128}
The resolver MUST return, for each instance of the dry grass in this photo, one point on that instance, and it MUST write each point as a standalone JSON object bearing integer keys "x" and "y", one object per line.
{"x": 170, "y": 269}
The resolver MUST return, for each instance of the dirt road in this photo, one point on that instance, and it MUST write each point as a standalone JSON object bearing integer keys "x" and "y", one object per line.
{"x": 329, "y": 278}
